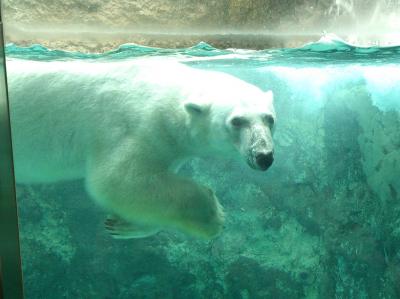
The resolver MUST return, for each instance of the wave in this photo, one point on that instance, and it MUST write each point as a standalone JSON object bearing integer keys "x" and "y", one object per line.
{"x": 332, "y": 43}
{"x": 329, "y": 48}
{"x": 39, "y": 52}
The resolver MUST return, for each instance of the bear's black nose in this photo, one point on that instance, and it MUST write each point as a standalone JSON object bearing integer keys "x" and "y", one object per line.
{"x": 264, "y": 160}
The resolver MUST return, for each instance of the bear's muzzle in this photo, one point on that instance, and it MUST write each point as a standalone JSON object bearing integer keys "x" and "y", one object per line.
{"x": 264, "y": 160}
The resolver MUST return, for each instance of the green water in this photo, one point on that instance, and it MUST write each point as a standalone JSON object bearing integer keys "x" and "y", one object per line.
{"x": 323, "y": 222}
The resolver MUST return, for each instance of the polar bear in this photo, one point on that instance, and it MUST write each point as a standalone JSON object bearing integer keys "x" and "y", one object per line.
{"x": 125, "y": 128}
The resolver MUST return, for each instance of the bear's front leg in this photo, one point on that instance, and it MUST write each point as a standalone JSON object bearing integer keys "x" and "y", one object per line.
{"x": 185, "y": 205}
{"x": 158, "y": 198}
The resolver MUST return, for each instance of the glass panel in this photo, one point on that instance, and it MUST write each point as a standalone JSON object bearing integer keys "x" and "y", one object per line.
{"x": 121, "y": 155}
{"x": 10, "y": 264}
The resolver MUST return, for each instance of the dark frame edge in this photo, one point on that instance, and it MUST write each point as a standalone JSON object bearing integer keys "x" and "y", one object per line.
{"x": 11, "y": 284}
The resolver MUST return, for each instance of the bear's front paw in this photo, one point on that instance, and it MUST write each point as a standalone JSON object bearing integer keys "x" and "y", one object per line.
{"x": 216, "y": 221}
{"x": 206, "y": 217}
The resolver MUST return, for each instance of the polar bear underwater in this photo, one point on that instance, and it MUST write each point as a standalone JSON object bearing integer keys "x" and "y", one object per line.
{"x": 125, "y": 128}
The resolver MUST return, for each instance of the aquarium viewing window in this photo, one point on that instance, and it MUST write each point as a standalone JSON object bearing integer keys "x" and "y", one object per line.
{"x": 200, "y": 149}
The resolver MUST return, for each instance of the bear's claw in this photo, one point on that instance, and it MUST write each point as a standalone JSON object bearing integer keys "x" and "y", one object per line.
{"x": 119, "y": 228}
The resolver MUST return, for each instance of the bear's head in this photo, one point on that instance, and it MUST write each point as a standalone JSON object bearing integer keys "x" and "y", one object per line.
{"x": 238, "y": 121}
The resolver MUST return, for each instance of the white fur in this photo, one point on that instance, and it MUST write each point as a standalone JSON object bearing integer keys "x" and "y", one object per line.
{"x": 123, "y": 126}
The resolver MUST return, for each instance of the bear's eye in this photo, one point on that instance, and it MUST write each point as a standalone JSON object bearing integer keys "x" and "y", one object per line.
{"x": 238, "y": 122}
{"x": 268, "y": 120}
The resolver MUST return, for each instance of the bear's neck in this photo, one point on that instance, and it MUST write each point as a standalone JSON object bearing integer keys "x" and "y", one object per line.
{"x": 172, "y": 143}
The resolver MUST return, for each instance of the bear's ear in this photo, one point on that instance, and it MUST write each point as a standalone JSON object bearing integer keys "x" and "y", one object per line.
{"x": 269, "y": 95}
{"x": 196, "y": 109}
